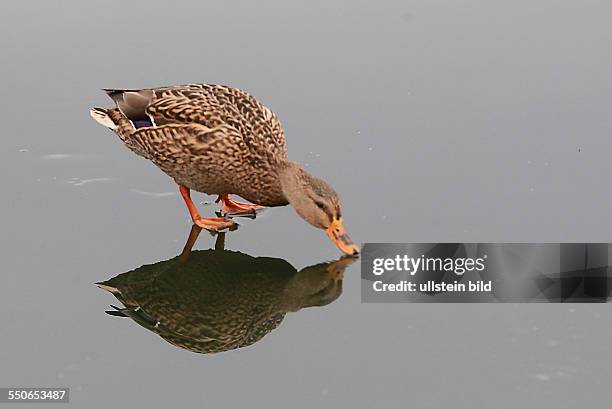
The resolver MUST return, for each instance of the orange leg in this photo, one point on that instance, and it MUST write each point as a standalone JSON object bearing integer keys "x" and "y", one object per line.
{"x": 193, "y": 236}
{"x": 234, "y": 207}
{"x": 208, "y": 223}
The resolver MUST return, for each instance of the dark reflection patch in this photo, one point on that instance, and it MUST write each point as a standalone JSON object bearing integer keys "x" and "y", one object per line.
{"x": 217, "y": 300}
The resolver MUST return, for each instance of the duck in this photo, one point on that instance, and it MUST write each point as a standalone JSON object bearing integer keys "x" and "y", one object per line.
{"x": 217, "y": 300}
{"x": 220, "y": 140}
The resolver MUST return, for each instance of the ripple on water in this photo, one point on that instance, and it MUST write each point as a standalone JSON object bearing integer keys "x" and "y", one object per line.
{"x": 58, "y": 157}
{"x": 81, "y": 182}
{"x": 153, "y": 194}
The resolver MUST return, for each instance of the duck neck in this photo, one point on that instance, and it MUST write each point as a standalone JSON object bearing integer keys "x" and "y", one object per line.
{"x": 291, "y": 177}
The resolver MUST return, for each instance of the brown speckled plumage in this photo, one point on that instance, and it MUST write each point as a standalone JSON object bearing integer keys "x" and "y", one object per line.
{"x": 220, "y": 300}
{"x": 210, "y": 138}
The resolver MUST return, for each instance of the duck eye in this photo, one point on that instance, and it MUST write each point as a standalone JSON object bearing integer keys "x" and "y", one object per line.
{"x": 320, "y": 205}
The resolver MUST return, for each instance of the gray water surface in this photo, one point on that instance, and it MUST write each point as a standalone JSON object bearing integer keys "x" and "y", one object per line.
{"x": 469, "y": 121}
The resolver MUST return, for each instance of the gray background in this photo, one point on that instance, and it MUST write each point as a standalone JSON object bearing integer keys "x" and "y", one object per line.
{"x": 436, "y": 120}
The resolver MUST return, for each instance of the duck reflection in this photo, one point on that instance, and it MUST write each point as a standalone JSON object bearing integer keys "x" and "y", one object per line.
{"x": 216, "y": 300}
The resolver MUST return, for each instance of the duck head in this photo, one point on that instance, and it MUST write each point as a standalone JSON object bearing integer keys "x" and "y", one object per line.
{"x": 317, "y": 203}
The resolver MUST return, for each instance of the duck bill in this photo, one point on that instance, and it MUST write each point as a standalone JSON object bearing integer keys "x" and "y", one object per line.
{"x": 338, "y": 235}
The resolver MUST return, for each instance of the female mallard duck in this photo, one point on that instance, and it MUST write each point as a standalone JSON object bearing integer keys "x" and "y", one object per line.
{"x": 220, "y": 140}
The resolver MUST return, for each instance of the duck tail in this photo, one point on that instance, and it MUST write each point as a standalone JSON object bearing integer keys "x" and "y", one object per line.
{"x": 117, "y": 312}
{"x": 113, "y": 119}
{"x": 102, "y": 116}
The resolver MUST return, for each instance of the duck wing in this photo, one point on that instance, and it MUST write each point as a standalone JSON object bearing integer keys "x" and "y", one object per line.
{"x": 213, "y": 106}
